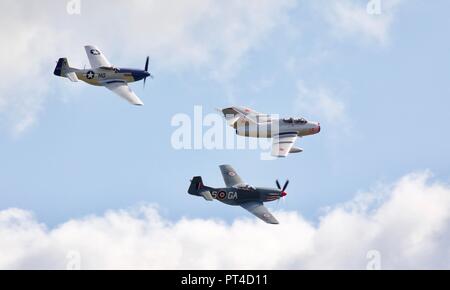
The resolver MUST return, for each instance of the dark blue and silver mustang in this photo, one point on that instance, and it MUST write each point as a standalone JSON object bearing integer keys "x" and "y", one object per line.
{"x": 102, "y": 73}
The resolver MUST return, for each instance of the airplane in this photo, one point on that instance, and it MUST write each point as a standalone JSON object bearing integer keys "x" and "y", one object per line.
{"x": 239, "y": 193}
{"x": 284, "y": 132}
{"x": 102, "y": 73}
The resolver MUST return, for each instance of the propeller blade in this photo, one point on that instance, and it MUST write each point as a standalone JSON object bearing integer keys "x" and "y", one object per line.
{"x": 285, "y": 185}
{"x": 145, "y": 79}
{"x": 146, "y": 63}
{"x": 278, "y": 184}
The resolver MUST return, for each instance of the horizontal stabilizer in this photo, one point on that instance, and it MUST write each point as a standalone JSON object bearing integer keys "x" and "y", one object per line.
{"x": 72, "y": 76}
{"x": 206, "y": 195}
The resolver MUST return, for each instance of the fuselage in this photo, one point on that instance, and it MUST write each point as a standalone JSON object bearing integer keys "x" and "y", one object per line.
{"x": 239, "y": 195}
{"x": 272, "y": 127}
{"x": 106, "y": 75}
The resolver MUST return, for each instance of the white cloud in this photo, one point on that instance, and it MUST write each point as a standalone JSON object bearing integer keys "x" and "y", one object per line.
{"x": 25, "y": 51}
{"x": 187, "y": 35}
{"x": 352, "y": 18}
{"x": 407, "y": 223}
{"x": 320, "y": 103}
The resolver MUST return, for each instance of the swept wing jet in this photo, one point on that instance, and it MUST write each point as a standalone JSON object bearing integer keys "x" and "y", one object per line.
{"x": 284, "y": 132}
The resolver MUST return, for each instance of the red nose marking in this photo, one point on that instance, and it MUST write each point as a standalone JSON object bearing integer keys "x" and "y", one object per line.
{"x": 316, "y": 129}
{"x": 283, "y": 194}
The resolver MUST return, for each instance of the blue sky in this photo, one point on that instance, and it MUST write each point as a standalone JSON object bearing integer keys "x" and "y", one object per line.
{"x": 87, "y": 151}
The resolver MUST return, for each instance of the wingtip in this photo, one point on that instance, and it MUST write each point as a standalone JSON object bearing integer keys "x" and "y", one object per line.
{"x": 279, "y": 156}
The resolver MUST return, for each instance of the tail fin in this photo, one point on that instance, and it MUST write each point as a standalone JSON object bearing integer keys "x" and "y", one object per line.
{"x": 62, "y": 68}
{"x": 196, "y": 185}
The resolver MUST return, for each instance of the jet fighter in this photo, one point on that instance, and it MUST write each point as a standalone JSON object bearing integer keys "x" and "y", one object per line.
{"x": 284, "y": 132}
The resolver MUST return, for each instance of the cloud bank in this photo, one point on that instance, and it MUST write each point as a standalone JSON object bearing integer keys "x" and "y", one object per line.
{"x": 405, "y": 225}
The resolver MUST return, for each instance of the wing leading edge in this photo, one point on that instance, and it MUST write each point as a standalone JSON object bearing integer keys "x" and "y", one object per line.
{"x": 96, "y": 57}
{"x": 230, "y": 177}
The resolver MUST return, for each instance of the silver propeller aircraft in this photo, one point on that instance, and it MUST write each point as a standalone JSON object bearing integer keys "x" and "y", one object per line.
{"x": 102, "y": 73}
{"x": 284, "y": 132}
{"x": 239, "y": 193}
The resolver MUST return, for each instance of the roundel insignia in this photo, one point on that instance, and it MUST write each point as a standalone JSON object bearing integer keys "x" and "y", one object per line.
{"x": 222, "y": 195}
{"x": 95, "y": 52}
{"x": 90, "y": 75}
{"x": 231, "y": 173}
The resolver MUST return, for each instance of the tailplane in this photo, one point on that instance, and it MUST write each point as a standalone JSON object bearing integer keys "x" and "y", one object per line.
{"x": 198, "y": 188}
{"x": 63, "y": 69}
{"x": 196, "y": 185}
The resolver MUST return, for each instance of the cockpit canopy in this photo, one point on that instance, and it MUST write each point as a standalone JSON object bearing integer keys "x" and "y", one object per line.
{"x": 244, "y": 186}
{"x": 294, "y": 120}
{"x": 115, "y": 69}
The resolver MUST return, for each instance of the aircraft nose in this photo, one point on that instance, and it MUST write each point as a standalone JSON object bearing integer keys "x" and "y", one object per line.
{"x": 283, "y": 193}
{"x": 314, "y": 129}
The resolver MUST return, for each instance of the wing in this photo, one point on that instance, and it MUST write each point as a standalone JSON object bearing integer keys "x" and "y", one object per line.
{"x": 123, "y": 90}
{"x": 282, "y": 143}
{"x": 258, "y": 209}
{"x": 96, "y": 57}
{"x": 230, "y": 176}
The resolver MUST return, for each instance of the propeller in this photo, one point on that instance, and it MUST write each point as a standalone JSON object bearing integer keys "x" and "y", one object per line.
{"x": 284, "y": 186}
{"x": 282, "y": 189}
{"x": 146, "y": 69}
{"x": 146, "y": 63}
